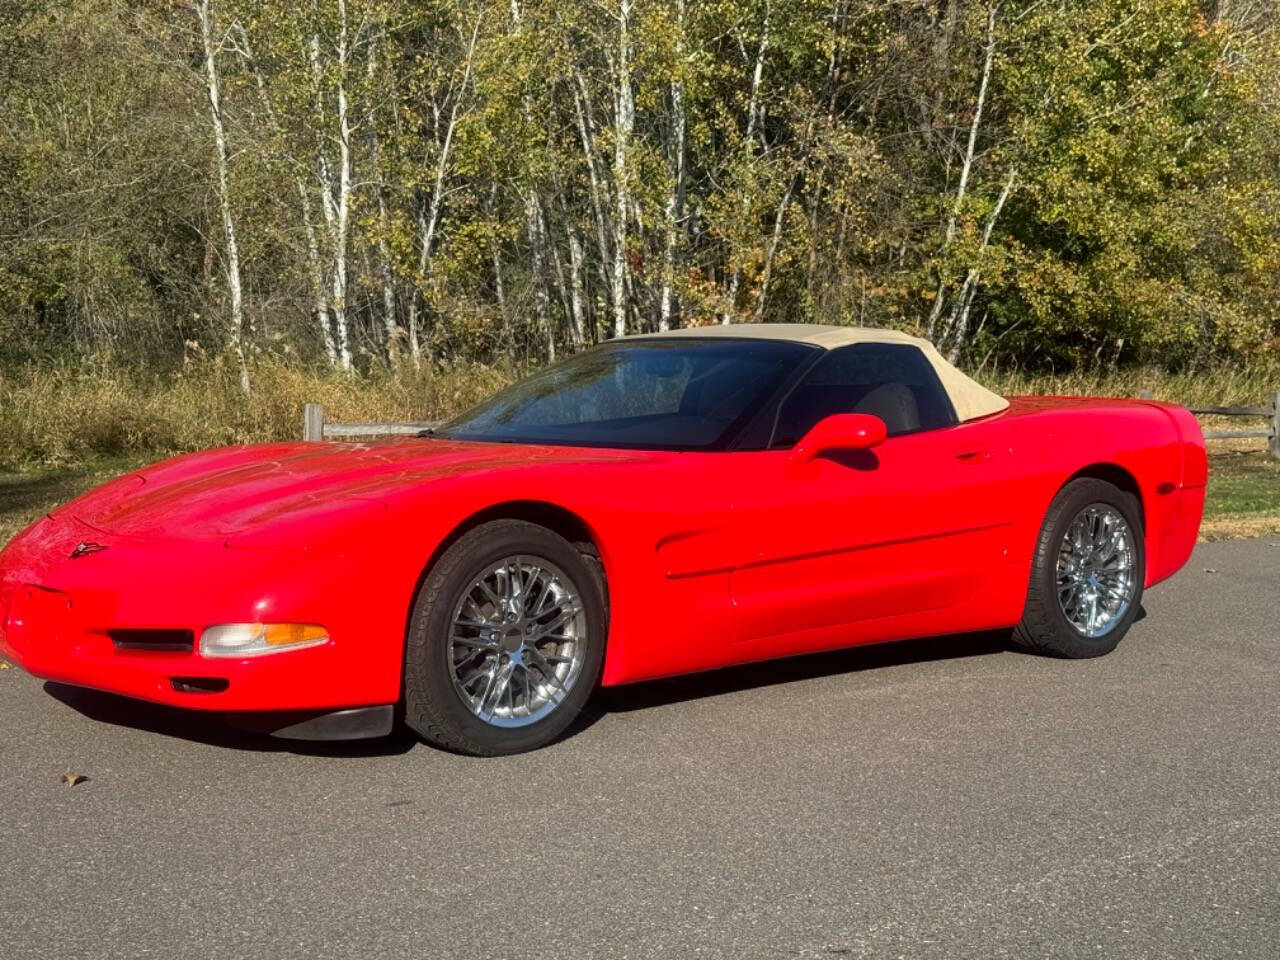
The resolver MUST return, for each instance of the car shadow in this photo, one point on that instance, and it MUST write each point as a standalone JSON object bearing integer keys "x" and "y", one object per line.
{"x": 218, "y": 730}
{"x": 214, "y": 729}
{"x": 767, "y": 673}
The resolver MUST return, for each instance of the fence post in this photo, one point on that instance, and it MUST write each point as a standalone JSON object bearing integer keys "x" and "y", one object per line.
{"x": 313, "y": 422}
{"x": 1274, "y": 442}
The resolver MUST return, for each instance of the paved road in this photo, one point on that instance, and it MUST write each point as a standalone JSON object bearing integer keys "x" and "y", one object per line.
{"x": 934, "y": 799}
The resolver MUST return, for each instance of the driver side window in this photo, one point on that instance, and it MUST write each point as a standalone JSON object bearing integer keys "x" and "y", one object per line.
{"x": 888, "y": 380}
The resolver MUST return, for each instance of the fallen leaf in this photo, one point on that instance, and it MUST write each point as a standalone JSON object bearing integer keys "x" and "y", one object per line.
{"x": 5, "y": 665}
{"x": 1210, "y": 570}
{"x": 71, "y": 779}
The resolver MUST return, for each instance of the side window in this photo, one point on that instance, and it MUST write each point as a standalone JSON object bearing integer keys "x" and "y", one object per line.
{"x": 888, "y": 380}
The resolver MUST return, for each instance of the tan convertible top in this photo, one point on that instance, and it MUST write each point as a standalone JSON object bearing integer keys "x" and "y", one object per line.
{"x": 970, "y": 398}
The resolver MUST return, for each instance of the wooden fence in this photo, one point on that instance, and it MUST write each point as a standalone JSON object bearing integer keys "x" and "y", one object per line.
{"x": 316, "y": 428}
{"x": 1270, "y": 431}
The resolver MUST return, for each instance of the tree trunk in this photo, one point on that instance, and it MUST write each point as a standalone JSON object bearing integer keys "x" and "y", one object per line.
{"x": 778, "y": 221}
{"x": 599, "y": 191}
{"x": 315, "y": 271}
{"x": 753, "y": 102}
{"x": 213, "y": 84}
{"x": 577, "y": 319}
{"x": 537, "y": 246}
{"x": 337, "y": 208}
{"x": 967, "y": 165}
{"x": 624, "y": 122}
{"x": 675, "y": 202}
{"x": 386, "y": 276}
{"x": 958, "y": 324}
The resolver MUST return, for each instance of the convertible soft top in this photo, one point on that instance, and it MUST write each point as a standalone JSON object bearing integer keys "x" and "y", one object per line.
{"x": 970, "y": 399}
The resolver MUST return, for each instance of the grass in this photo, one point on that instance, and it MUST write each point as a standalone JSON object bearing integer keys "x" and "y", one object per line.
{"x": 68, "y": 415}
{"x": 1244, "y": 496}
{"x": 65, "y": 429}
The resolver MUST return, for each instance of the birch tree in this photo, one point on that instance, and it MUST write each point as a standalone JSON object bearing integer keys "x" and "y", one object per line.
{"x": 214, "y": 88}
{"x": 624, "y": 121}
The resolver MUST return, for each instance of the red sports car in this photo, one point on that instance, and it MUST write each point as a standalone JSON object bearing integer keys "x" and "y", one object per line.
{"x": 658, "y": 505}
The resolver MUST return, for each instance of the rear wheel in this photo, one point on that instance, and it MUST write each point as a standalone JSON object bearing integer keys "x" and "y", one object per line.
{"x": 506, "y": 640}
{"x": 1087, "y": 574}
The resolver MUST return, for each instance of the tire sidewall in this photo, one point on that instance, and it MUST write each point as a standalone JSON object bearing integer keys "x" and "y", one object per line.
{"x": 428, "y": 680}
{"x": 1074, "y": 498}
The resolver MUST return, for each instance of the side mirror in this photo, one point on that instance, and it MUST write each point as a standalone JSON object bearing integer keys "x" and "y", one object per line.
{"x": 840, "y": 431}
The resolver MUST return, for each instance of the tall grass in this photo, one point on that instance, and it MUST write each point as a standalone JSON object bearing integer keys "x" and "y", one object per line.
{"x": 1237, "y": 385}
{"x": 70, "y": 413}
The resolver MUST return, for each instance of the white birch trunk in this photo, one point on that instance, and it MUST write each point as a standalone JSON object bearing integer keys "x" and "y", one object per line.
{"x": 429, "y": 221}
{"x": 344, "y": 199}
{"x": 315, "y": 271}
{"x": 624, "y": 122}
{"x": 335, "y": 197}
{"x": 958, "y": 324}
{"x": 577, "y": 318}
{"x": 537, "y": 247}
{"x": 600, "y": 200}
{"x": 757, "y": 75}
{"x": 778, "y": 221}
{"x": 675, "y": 202}
{"x": 967, "y": 165}
{"x": 390, "y": 325}
{"x": 316, "y": 274}
{"x": 213, "y": 84}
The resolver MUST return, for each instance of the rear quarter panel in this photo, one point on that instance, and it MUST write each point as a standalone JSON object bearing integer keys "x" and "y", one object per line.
{"x": 1054, "y": 439}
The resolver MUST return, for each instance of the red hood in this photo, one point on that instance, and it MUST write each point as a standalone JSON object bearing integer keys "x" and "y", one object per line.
{"x": 223, "y": 492}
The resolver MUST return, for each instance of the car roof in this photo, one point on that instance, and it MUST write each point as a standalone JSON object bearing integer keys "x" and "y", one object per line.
{"x": 818, "y": 334}
{"x": 970, "y": 399}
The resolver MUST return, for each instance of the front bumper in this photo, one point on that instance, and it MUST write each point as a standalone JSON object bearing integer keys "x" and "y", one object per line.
{"x": 58, "y": 615}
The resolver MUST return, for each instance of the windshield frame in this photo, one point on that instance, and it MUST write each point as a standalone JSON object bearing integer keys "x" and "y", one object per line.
{"x": 805, "y": 355}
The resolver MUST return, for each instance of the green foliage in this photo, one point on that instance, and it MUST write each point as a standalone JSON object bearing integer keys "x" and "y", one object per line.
{"x": 834, "y": 165}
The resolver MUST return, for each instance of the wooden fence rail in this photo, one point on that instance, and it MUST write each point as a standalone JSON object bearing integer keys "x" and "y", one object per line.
{"x": 315, "y": 428}
{"x": 1270, "y": 432}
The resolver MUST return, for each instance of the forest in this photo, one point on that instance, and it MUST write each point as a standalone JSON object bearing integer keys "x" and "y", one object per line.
{"x": 370, "y": 186}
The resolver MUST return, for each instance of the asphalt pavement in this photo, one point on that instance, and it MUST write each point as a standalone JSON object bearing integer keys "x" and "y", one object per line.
{"x": 938, "y": 799}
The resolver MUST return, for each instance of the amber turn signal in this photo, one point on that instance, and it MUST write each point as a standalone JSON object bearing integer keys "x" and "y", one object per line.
{"x": 257, "y": 639}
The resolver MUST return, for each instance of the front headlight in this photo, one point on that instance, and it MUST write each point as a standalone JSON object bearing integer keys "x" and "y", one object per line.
{"x": 233, "y": 640}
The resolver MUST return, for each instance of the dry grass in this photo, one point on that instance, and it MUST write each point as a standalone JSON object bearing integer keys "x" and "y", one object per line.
{"x": 69, "y": 415}
{"x": 73, "y": 414}
{"x": 1235, "y": 385}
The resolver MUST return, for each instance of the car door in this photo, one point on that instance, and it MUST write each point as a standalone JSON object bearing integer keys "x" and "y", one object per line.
{"x": 863, "y": 544}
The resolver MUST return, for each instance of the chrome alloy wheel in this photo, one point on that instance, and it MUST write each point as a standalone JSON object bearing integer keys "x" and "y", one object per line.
{"x": 1097, "y": 566}
{"x": 519, "y": 641}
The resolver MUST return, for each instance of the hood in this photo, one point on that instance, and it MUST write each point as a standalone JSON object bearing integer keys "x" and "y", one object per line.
{"x": 224, "y": 492}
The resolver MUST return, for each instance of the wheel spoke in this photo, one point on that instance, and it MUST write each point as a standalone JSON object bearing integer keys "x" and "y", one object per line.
{"x": 1095, "y": 570}
{"x": 498, "y": 625}
{"x": 567, "y": 616}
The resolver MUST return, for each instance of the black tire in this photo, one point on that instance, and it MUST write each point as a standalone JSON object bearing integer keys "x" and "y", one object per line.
{"x": 1044, "y": 628}
{"x": 433, "y": 708}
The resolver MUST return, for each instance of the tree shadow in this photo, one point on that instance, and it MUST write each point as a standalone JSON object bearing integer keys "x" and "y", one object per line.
{"x": 27, "y": 491}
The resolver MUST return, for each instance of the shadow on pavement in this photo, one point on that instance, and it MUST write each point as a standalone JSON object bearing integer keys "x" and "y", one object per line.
{"x": 655, "y": 693}
{"x": 212, "y": 728}
{"x": 217, "y": 730}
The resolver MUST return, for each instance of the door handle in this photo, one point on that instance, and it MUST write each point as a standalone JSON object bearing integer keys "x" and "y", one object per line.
{"x": 979, "y": 455}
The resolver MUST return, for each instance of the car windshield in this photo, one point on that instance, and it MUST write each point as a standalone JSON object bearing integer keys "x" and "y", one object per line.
{"x": 676, "y": 394}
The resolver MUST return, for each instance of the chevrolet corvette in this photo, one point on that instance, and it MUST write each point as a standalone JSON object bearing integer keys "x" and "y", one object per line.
{"x": 658, "y": 505}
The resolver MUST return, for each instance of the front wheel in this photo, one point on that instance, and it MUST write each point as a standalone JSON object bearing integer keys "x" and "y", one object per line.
{"x": 506, "y": 640}
{"x": 1087, "y": 574}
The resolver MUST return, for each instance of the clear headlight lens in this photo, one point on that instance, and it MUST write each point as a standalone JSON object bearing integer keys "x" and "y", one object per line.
{"x": 232, "y": 640}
